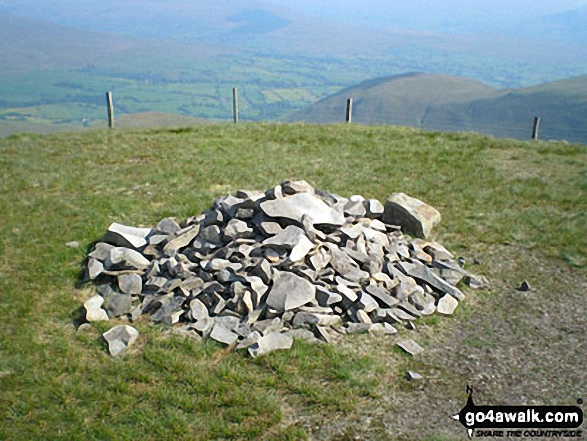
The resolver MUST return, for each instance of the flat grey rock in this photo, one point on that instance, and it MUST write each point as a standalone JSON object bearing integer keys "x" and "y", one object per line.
{"x": 410, "y": 346}
{"x": 272, "y": 341}
{"x": 185, "y": 237}
{"x": 101, "y": 251}
{"x": 222, "y": 334}
{"x": 198, "y": 310}
{"x": 95, "y": 268}
{"x": 292, "y": 238}
{"x": 347, "y": 293}
{"x": 117, "y": 304}
{"x": 447, "y": 305}
{"x": 363, "y": 317}
{"x": 94, "y": 311}
{"x": 293, "y": 187}
{"x": 130, "y": 283}
{"x": 367, "y": 303}
{"x": 414, "y": 376}
{"x": 411, "y": 214}
{"x": 125, "y": 236}
{"x": 120, "y": 338}
{"x": 382, "y": 295}
{"x": 237, "y": 229}
{"x": 374, "y": 209}
{"x": 126, "y": 257}
{"x": 73, "y": 244}
{"x": 249, "y": 340}
{"x": 476, "y": 282}
{"x": 355, "y": 208}
{"x": 270, "y": 228}
{"x": 358, "y": 328}
{"x": 168, "y": 226}
{"x": 308, "y": 318}
{"x": 289, "y": 291}
{"x": 300, "y": 204}
{"x": 422, "y": 272}
{"x": 345, "y": 265}
{"x": 326, "y": 297}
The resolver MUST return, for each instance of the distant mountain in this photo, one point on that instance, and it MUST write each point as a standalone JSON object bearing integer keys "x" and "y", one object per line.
{"x": 267, "y": 26}
{"x": 436, "y": 102}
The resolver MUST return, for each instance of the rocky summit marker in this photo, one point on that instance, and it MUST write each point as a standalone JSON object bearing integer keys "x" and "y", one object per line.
{"x": 260, "y": 269}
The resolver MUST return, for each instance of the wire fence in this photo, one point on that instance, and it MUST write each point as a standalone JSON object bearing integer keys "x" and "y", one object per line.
{"x": 517, "y": 122}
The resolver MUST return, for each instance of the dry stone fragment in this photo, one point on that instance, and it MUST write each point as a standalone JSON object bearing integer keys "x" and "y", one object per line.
{"x": 222, "y": 334}
{"x": 167, "y": 226}
{"x": 422, "y": 272}
{"x": 292, "y": 238}
{"x": 272, "y": 341}
{"x": 95, "y": 268}
{"x": 363, "y": 317}
{"x": 124, "y": 236}
{"x": 101, "y": 251}
{"x": 326, "y": 297}
{"x": 447, "y": 305}
{"x": 374, "y": 209}
{"x": 289, "y": 291}
{"x": 183, "y": 240}
{"x": 414, "y": 376}
{"x": 296, "y": 206}
{"x": 120, "y": 338}
{"x": 367, "y": 303}
{"x": 270, "y": 228}
{"x": 130, "y": 283}
{"x": 476, "y": 282}
{"x": 411, "y": 214}
{"x": 94, "y": 311}
{"x": 237, "y": 229}
{"x": 410, "y": 346}
{"x": 292, "y": 187}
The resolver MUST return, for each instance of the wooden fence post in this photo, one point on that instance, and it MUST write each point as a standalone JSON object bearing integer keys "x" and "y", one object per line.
{"x": 235, "y": 105}
{"x": 110, "y": 109}
{"x": 349, "y": 110}
{"x": 535, "y": 129}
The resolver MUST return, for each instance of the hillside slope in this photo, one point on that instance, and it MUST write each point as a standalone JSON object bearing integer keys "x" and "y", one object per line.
{"x": 397, "y": 100}
{"x": 436, "y": 102}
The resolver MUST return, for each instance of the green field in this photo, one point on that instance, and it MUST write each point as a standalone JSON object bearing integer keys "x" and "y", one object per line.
{"x": 517, "y": 209}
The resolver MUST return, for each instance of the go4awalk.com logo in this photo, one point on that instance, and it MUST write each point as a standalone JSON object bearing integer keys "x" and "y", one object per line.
{"x": 520, "y": 421}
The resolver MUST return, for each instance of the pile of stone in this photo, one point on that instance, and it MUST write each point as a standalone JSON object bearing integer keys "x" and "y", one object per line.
{"x": 259, "y": 269}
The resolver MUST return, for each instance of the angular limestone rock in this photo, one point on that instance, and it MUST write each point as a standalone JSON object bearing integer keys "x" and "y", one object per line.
{"x": 447, "y": 305}
{"x": 289, "y": 291}
{"x": 128, "y": 237}
{"x": 300, "y": 204}
{"x": 94, "y": 311}
{"x": 130, "y": 283}
{"x": 120, "y": 338}
{"x": 271, "y": 341}
{"x": 410, "y": 346}
{"x": 411, "y": 214}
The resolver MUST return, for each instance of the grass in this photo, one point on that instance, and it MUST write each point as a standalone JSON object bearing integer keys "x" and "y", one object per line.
{"x": 56, "y": 383}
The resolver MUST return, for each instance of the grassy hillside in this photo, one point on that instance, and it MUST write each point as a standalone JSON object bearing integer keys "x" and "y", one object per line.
{"x": 399, "y": 100}
{"x": 517, "y": 209}
{"x": 561, "y": 105}
{"x": 435, "y": 102}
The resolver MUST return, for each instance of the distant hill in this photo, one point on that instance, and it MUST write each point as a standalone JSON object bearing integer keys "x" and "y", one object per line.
{"x": 437, "y": 102}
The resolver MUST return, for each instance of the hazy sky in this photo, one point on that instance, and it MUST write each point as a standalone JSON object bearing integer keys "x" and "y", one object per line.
{"x": 438, "y": 14}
